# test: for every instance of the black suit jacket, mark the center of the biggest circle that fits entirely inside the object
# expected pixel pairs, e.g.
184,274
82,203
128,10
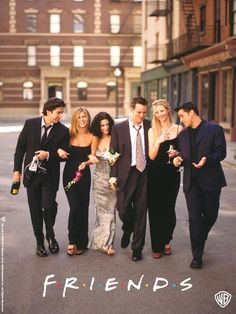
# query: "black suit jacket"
211,144
29,142
121,143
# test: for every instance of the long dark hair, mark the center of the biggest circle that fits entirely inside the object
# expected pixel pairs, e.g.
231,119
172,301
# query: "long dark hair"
95,125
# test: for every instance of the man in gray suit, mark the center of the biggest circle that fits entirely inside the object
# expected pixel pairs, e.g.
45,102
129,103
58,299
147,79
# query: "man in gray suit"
130,139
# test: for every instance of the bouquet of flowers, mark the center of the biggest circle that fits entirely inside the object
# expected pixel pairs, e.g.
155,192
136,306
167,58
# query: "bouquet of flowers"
78,175
111,156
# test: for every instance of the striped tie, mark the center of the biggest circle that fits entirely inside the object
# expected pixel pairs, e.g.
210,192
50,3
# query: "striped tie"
140,160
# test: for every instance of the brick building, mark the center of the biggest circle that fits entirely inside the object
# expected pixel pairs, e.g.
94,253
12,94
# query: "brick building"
69,49
191,55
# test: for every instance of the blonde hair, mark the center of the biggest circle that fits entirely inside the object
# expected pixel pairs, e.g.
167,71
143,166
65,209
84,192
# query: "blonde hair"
156,125
74,121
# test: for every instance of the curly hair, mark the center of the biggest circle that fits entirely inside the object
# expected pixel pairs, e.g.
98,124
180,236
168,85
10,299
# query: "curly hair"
96,123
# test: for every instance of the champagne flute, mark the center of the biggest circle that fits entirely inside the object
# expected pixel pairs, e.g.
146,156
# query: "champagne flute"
171,148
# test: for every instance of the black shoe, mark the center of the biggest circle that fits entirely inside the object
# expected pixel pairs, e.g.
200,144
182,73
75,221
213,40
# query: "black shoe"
137,256
196,263
40,251
125,240
53,245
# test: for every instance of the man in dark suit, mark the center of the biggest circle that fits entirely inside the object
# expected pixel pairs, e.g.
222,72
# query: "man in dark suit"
40,138
129,138
202,147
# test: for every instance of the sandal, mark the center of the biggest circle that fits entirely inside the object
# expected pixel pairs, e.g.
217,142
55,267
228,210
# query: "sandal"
167,250
78,251
110,251
104,249
70,250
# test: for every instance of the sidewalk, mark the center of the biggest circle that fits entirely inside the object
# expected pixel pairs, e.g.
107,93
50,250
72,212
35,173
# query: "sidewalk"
15,125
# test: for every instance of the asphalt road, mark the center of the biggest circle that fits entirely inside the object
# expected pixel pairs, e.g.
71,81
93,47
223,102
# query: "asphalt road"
96,283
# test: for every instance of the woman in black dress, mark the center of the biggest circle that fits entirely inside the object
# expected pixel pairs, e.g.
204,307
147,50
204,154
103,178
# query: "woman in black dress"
164,180
79,192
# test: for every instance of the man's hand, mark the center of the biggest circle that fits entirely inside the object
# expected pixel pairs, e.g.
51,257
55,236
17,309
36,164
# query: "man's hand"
200,164
62,153
16,176
42,154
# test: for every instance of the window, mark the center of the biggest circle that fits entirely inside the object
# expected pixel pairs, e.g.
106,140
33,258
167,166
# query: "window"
1,91
137,56
55,23
28,90
137,25
111,90
202,18
78,23
114,55
55,55
78,56
227,96
234,18
82,90
31,23
115,23
31,55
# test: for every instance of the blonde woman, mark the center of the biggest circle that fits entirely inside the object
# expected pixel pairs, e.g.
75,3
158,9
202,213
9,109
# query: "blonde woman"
164,180
78,193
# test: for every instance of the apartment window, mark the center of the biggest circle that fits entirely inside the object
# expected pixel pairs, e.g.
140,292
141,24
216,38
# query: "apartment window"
1,91
78,56
227,99
114,55
202,18
82,90
55,55
115,23
31,23
31,55
78,23
234,18
137,56
55,23
111,90
28,90
137,24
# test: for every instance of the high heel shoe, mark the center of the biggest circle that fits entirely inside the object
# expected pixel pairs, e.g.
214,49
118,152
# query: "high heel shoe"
167,250
110,251
78,251
70,250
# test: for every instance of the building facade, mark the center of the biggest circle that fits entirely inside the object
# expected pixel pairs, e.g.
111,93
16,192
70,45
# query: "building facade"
196,60
69,49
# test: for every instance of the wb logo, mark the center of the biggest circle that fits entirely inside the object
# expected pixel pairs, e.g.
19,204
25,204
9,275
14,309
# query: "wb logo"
223,298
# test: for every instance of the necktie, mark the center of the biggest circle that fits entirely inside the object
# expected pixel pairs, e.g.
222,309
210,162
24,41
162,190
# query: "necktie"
45,135
140,161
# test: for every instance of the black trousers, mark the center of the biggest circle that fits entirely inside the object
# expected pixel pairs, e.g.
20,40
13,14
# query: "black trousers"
43,207
132,207
203,207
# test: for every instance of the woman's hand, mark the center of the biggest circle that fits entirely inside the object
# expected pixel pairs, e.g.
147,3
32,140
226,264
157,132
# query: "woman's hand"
93,159
62,153
163,137
82,166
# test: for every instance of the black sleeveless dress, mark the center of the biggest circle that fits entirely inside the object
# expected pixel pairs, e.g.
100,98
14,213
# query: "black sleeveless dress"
78,196
163,187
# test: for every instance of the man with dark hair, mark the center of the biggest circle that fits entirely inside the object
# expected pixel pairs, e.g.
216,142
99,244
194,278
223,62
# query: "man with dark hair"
37,145
202,147
129,138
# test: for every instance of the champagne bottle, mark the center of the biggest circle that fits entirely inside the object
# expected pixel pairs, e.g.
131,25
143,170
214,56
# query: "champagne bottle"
15,187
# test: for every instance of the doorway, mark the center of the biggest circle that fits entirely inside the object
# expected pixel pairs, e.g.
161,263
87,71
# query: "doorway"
55,89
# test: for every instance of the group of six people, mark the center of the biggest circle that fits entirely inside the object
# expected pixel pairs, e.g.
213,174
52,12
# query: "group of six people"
137,169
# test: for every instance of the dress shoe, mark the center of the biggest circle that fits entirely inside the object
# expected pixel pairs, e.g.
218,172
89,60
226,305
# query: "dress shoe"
125,240
137,256
53,245
156,255
40,251
196,263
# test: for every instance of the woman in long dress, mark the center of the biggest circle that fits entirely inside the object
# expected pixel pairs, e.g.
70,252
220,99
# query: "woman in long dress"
164,180
103,234
78,194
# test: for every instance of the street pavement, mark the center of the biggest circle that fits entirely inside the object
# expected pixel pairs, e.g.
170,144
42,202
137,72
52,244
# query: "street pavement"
96,283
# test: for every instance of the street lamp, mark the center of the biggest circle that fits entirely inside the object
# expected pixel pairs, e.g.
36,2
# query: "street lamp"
117,74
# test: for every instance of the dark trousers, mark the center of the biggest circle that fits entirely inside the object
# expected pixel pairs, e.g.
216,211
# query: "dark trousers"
203,207
132,207
43,207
